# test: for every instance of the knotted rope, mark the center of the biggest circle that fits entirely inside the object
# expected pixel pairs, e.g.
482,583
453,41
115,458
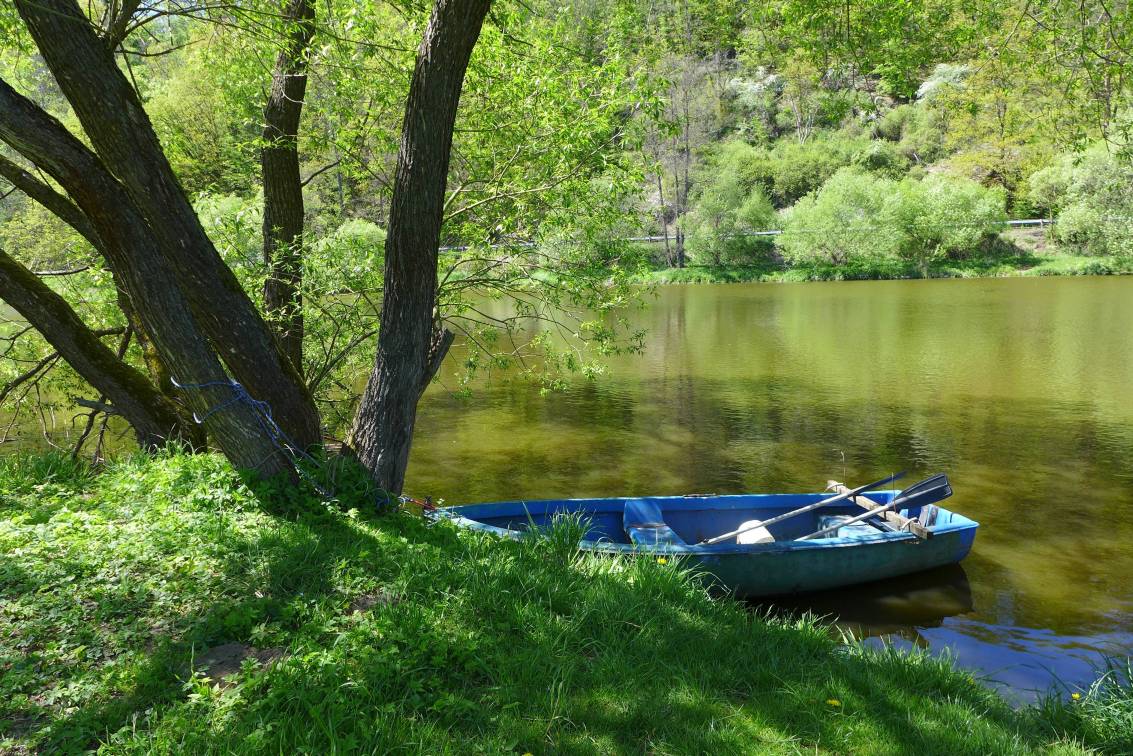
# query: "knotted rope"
263,414
279,439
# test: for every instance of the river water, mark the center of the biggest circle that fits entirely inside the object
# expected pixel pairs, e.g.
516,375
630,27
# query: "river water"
1020,389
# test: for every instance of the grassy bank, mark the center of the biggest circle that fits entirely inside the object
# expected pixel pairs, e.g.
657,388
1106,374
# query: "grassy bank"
125,596
976,267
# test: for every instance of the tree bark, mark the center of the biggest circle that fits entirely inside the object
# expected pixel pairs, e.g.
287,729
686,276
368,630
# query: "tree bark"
123,137
153,417
410,347
133,253
283,187
53,201
65,210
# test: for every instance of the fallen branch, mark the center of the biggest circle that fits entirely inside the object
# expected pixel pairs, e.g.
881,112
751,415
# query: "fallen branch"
51,273
97,406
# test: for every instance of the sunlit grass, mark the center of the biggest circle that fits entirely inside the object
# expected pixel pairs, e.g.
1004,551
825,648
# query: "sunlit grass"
1101,716
385,634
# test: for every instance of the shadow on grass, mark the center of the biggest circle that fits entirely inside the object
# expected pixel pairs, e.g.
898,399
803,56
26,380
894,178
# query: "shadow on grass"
497,645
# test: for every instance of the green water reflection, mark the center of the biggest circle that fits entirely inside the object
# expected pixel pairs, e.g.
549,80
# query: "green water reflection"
1020,389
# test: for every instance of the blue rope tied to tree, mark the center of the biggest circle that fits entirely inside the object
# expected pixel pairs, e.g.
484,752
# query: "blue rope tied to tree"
267,422
280,439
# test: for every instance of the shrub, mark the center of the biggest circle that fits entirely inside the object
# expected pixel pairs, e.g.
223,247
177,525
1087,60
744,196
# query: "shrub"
1089,195
350,258
789,170
891,125
858,217
848,220
882,158
724,212
1047,188
918,131
944,215
794,170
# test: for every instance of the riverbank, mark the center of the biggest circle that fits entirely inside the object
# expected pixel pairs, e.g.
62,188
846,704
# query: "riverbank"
975,267
351,631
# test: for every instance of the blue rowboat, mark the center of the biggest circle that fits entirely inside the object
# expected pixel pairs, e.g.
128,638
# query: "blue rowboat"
674,526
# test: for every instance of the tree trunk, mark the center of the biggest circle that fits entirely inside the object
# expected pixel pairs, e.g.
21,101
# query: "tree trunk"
680,199
122,135
664,219
410,348
66,211
283,188
133,253
153,417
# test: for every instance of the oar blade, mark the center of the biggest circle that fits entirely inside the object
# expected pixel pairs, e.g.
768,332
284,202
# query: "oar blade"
928,491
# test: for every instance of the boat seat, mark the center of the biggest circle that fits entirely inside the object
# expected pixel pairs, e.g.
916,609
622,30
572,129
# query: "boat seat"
645,525
751,536
857,529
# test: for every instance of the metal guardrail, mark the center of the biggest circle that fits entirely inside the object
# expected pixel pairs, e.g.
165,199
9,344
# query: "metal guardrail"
1040,222
525,244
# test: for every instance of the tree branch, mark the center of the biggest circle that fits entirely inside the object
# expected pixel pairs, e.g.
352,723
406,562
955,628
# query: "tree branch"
61,273
59,205
153,417
43,365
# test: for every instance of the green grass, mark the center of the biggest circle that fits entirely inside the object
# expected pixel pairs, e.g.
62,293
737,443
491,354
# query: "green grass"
394,636
977,266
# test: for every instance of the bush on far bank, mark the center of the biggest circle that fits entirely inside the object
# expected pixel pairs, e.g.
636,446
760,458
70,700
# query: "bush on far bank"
857,217
1088,195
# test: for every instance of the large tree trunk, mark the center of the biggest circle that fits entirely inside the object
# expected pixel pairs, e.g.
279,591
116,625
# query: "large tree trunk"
283,187
410,347
120,131
153,417
132,250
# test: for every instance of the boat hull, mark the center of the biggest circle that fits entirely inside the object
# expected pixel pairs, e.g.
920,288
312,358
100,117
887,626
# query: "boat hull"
785,566
777,572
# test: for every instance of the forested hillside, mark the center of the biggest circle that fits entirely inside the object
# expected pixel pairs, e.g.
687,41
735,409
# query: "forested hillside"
242,240
875,132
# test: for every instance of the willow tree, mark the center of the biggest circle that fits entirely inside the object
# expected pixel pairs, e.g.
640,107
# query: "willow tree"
263,344
188,303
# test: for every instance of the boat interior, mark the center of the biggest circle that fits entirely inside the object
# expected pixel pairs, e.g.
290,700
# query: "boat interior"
688,520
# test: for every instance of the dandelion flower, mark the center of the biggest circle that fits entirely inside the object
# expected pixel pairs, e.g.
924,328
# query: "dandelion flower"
662,560
833,702
1075,696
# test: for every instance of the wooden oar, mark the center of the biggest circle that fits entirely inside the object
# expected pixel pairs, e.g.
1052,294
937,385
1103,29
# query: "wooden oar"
895,520
928,491
800,510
